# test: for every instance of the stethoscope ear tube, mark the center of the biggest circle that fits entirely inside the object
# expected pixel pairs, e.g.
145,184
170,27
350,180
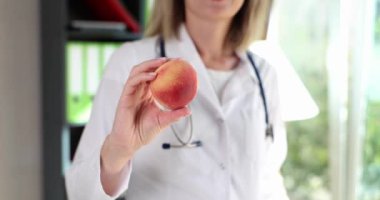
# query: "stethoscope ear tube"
269,132
269,128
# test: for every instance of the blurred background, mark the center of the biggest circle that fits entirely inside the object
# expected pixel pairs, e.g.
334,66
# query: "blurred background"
52,54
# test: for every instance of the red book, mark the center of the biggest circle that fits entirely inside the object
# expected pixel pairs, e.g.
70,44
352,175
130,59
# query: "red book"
113,10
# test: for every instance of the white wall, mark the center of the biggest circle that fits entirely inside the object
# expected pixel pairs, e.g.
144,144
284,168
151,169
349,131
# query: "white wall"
20,131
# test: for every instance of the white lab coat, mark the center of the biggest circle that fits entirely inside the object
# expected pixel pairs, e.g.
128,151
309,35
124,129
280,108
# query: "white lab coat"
235,161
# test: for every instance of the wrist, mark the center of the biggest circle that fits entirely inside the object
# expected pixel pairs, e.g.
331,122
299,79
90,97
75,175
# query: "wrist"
113,158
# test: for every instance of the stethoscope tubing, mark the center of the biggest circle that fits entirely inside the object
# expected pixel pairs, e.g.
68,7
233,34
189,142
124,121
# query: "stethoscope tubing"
189,143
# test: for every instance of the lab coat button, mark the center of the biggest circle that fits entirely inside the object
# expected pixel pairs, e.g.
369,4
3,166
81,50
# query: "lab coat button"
222,166
220,120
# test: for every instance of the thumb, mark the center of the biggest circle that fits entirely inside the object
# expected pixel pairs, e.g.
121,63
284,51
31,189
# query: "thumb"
166,118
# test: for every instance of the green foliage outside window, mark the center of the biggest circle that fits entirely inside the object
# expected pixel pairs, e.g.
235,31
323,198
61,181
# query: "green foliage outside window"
303,36
370,188
371,153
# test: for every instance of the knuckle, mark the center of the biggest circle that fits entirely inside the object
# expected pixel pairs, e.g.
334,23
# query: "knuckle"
128,82
134,69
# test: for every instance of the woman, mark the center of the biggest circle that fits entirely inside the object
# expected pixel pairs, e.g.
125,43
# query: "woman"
121,147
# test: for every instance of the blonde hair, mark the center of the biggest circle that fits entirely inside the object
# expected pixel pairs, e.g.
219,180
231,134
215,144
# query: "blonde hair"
249,24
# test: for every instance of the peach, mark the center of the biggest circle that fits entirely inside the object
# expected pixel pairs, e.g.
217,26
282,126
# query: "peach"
175,85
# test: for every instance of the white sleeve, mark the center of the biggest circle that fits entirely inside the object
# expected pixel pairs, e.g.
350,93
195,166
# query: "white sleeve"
273,184
83,177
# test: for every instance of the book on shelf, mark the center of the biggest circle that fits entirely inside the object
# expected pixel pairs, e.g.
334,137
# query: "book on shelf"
97,25
113,10
86,62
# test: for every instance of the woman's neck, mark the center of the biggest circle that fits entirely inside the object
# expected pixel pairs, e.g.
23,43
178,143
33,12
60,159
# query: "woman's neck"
209,37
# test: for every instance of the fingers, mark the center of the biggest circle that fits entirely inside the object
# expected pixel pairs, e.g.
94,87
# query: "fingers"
166,118
133,82
142,73
148,66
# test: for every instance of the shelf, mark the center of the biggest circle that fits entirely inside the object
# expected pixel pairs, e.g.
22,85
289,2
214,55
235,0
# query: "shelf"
102,35
75,135
59,137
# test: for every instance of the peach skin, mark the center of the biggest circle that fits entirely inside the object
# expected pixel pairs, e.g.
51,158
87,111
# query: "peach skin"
175,85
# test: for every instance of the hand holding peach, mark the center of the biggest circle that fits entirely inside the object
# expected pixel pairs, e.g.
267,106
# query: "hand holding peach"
137,122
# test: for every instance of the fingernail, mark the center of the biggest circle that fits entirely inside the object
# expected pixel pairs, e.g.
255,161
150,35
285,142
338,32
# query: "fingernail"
152,74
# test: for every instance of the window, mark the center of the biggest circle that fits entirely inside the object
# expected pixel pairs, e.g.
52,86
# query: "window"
303,38
370,179
335,48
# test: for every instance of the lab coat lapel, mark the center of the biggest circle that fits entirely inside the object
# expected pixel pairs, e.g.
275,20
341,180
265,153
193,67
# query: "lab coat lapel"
185,49
243,81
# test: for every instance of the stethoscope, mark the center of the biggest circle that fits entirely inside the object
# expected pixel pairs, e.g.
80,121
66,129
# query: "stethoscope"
269,134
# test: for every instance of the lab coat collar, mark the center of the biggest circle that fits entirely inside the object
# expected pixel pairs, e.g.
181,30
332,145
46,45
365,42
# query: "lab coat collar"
246,66
244,81
185,48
